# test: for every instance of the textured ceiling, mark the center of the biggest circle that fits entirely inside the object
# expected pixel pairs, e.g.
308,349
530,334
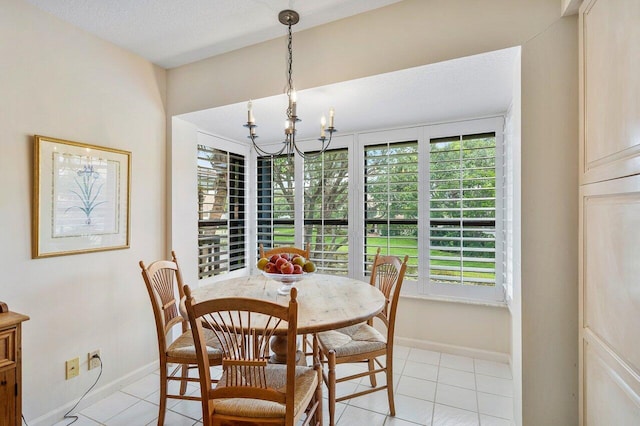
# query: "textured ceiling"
175,32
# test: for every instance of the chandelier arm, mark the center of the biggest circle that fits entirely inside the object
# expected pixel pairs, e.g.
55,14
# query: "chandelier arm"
262,151
325,146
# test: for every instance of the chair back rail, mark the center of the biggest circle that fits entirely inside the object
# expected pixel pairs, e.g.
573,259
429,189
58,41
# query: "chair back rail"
306,252
163,280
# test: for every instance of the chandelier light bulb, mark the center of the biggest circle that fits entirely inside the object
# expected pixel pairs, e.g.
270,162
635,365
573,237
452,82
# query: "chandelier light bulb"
250,118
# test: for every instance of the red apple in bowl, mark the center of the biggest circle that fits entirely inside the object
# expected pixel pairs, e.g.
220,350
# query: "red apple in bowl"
286,268
281,261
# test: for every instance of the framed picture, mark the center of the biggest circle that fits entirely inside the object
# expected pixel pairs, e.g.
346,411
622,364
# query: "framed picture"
80,198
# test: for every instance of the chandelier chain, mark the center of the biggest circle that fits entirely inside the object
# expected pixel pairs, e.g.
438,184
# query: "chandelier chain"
290,64
289,146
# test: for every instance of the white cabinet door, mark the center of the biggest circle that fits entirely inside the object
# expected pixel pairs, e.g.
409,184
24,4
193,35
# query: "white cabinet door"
610,302
609,89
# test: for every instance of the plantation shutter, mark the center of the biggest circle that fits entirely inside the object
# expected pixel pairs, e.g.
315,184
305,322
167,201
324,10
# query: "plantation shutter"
221,212
462,201
326,210
391,201
275,201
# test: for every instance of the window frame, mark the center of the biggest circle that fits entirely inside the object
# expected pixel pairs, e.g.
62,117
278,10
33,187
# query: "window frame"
487,125
356,143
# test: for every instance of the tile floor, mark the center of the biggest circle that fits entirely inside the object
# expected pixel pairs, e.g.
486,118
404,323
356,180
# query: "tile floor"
431,388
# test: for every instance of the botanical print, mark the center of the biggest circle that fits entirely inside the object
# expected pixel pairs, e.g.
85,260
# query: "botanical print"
85,195
80,199
88,191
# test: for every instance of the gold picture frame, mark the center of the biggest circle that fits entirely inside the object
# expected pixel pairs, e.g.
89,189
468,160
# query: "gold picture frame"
81,198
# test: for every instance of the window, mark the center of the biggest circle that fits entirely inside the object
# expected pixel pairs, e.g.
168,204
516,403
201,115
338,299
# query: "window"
434,193
391,201
275,201
465,182
326,210
221,212
462,206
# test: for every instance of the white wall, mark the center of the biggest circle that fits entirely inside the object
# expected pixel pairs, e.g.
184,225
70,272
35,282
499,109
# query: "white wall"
183,230
60,82
466,329
513,144
549,231
419,32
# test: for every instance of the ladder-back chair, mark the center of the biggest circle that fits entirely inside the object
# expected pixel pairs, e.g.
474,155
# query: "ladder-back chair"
163,280
251,390
364,343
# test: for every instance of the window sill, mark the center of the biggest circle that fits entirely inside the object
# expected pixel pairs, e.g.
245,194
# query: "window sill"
449,299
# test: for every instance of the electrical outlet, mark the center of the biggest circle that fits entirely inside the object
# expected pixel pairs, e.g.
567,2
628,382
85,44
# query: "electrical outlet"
72,368
93,361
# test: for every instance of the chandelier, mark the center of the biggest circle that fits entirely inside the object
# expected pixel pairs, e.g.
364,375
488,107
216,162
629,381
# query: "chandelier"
289,146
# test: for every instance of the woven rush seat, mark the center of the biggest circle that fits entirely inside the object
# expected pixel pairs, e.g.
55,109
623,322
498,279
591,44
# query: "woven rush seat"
276,375
352,340
183,347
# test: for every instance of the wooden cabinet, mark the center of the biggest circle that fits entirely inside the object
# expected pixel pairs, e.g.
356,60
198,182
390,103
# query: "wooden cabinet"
10,368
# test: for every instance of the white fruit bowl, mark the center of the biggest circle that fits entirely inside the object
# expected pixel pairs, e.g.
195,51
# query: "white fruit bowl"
287,280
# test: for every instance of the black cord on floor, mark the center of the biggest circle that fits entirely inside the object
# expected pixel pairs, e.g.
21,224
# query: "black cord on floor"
66,415
74,417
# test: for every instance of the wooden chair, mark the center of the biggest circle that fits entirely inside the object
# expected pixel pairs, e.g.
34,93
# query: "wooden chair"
251,390
364,343
306,252
165,286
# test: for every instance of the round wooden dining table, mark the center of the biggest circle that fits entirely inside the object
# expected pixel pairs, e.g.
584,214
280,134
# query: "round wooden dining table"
325,302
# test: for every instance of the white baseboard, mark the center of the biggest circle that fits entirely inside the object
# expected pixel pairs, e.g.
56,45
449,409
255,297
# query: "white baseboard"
94,396
455,350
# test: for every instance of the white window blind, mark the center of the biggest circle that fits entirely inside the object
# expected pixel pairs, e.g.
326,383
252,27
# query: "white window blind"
326,210
275,201
391,202
221,212
462,205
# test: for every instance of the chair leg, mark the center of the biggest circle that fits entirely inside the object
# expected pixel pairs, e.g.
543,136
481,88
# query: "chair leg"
331,386
184,375
317,416
163,394
372,377
317,364
389,371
